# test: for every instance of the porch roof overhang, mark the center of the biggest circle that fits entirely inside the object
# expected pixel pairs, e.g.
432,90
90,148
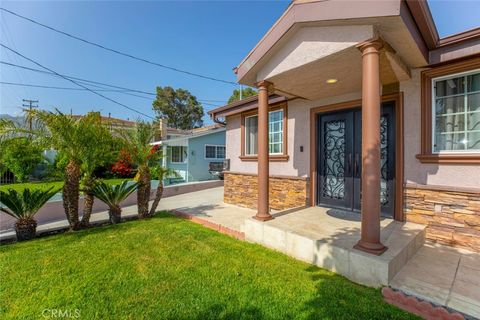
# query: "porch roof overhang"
391,20
243,105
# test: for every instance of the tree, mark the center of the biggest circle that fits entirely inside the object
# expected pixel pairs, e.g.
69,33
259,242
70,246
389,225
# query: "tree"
179,107
20,155
246,92
137,143
102,150
76,140
160,173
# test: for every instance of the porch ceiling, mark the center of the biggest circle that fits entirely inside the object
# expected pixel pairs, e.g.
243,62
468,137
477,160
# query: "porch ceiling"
308,81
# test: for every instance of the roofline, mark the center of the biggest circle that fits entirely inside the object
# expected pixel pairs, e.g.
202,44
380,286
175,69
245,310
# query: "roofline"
191,136
424,20
418,9
243,105
459,37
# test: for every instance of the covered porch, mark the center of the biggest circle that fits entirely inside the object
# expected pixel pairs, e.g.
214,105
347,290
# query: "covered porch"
321,59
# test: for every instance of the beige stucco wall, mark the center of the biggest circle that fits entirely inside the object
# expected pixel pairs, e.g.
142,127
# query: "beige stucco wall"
299,135
310,44
428,174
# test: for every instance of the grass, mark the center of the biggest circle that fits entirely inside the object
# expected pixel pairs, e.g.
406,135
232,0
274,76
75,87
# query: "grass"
169,268
46,185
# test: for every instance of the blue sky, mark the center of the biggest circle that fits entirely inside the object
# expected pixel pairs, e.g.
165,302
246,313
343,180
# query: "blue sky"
202,37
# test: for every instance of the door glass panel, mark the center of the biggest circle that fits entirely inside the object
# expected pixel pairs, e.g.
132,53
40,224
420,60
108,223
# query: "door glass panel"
334,153
384,160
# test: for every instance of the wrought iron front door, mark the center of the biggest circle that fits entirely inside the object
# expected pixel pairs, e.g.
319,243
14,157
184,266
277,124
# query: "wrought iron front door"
340,159
335,159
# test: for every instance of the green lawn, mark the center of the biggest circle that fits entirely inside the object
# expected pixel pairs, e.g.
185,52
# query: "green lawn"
46,185
169,268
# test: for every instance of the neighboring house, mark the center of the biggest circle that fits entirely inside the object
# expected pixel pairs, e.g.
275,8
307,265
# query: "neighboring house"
361,96
189,153
113,123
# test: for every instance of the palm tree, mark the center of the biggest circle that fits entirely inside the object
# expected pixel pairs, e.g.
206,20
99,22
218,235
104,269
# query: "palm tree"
160,173
23,207
113,196
137,143
82,142
64,133
102,150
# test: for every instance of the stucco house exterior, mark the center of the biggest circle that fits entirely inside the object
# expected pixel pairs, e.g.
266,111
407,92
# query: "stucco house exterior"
189,153
361,106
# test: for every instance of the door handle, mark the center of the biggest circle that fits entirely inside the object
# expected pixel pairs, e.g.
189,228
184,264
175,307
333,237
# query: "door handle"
349,164
355,165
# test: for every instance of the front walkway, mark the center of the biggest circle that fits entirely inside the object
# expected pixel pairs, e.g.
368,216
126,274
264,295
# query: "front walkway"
445,276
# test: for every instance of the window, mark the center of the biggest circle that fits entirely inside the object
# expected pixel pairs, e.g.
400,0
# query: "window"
251,134
214,152
451,113
456,113
179,154
275,133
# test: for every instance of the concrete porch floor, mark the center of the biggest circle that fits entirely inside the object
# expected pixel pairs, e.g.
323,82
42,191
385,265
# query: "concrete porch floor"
325,237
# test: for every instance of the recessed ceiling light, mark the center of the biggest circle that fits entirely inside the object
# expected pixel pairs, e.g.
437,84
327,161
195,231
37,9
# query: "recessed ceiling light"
331,81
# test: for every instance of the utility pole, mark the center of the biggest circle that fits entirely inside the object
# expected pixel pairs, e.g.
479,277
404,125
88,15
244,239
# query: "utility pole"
30,107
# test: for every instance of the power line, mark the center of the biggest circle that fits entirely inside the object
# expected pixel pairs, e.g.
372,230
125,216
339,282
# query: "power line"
90,82
120,52
81,89
75,82
53,87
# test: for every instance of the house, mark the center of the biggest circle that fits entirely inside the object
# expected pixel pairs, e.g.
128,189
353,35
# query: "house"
190,152
361,106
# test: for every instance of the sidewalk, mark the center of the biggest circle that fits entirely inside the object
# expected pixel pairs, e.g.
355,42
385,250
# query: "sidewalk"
206,204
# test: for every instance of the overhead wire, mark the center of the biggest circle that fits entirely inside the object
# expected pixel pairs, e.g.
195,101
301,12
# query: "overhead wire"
118,51
75,82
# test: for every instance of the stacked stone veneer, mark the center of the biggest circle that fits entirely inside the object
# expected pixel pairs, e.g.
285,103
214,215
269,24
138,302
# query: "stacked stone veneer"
452,215
285,192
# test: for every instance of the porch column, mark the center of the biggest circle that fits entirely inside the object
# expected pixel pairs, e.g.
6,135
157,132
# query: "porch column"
263,208
370,232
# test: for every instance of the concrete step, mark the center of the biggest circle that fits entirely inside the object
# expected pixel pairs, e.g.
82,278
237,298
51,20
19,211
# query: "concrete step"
334,250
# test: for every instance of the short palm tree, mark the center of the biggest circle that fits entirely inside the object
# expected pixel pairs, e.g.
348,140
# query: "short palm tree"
112,196
23,207
160,173
137,143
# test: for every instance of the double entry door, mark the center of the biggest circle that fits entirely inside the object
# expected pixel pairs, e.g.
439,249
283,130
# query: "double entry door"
339,158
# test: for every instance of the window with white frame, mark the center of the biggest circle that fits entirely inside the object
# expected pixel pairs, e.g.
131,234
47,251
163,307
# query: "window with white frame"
178,154
214,152
275,133
456,113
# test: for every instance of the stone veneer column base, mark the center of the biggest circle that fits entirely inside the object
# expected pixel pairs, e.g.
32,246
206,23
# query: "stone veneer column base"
452,215
285,192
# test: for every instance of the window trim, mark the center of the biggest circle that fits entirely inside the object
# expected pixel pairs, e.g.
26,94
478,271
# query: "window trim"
272,157
434,115
427,95
216,151
182,150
